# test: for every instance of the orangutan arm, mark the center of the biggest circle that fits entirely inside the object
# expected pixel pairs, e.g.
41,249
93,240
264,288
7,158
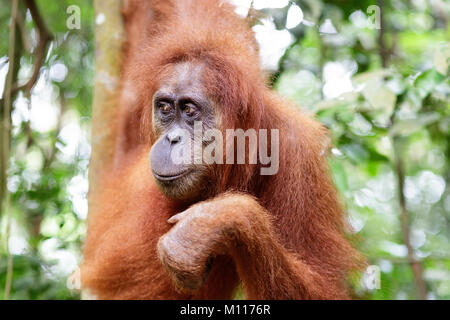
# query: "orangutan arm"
236,225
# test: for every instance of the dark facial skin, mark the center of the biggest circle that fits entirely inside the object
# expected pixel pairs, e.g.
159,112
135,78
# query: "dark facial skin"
177,105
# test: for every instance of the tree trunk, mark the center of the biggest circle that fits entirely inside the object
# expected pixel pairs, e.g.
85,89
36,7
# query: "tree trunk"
109,36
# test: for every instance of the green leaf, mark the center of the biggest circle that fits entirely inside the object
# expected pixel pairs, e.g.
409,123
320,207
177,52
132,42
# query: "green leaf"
339,175
355,152
379,96
427,81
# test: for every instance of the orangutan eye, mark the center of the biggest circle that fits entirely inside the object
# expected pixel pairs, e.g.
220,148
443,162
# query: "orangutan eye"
189,110
164,107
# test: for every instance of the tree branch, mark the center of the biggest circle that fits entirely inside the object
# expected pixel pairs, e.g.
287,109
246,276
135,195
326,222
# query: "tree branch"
383,51
5,139
26,43
416,265
39,53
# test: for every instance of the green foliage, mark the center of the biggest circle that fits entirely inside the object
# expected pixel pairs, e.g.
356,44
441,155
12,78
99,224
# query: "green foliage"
47,177
400,113
378,117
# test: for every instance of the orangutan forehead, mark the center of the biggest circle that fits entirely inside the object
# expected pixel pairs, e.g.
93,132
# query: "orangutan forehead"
184,77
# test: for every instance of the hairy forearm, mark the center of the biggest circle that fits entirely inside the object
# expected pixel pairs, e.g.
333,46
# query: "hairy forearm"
266,268
235,225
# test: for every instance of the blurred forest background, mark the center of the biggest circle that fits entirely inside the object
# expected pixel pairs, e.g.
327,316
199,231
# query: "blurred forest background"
376,73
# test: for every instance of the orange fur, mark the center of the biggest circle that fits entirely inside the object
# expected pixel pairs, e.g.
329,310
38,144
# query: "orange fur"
283,236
